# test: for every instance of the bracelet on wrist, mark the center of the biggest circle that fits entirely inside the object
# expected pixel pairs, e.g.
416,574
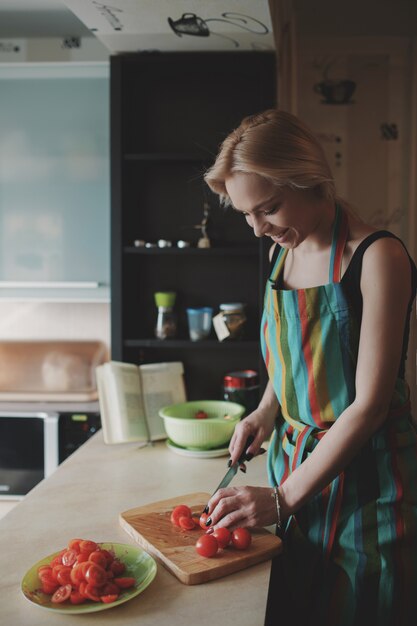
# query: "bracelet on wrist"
275,495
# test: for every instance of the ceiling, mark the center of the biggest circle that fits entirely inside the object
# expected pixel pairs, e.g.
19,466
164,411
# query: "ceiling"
54,18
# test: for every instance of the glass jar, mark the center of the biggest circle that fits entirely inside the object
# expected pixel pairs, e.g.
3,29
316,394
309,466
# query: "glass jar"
166,321
234,317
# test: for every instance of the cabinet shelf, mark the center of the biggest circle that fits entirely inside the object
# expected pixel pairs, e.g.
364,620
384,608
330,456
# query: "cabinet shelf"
170,344
224,251
160,150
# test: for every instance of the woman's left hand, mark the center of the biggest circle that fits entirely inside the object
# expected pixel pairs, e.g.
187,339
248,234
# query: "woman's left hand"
236,507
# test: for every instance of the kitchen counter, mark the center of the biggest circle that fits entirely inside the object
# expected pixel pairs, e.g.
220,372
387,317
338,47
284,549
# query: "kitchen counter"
83,498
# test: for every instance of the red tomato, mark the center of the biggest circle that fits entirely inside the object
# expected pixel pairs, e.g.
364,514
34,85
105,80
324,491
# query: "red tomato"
110,589
125,583
200,415
44,568
76,598
182,510
78,573
91,592
69,557
49,587
186,522
82,557
96,575
117,567
207,545
64,575
223,536
109,598
241,538
98,558
46,574
203,519
61,594
74,544
87,546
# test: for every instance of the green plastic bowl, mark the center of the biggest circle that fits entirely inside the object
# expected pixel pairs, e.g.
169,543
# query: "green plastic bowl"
185,430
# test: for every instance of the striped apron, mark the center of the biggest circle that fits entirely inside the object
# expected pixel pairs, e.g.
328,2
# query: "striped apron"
351,553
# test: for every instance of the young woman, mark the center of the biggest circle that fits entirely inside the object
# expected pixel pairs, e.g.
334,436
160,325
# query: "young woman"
342,460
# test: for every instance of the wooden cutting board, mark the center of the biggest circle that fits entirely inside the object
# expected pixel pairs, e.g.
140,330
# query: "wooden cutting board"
151,527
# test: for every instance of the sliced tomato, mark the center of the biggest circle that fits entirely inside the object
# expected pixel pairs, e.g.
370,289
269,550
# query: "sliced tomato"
91,592
98,558
125,582
117,567
108,554
61,594
107,599
78,574
76,598
82,557
44,568
186,522
49,587
207,546
182,510
110,589
96,575
87,546
47,574
64,576
69,558
74,544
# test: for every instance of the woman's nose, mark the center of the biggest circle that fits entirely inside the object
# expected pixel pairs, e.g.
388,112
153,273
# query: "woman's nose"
259,225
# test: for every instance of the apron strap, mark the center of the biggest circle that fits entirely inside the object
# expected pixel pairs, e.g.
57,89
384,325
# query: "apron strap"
340,233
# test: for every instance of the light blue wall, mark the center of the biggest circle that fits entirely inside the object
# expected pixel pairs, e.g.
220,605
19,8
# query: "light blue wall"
54,176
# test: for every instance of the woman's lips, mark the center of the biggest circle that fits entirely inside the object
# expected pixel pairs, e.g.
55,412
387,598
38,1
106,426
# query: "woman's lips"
279,237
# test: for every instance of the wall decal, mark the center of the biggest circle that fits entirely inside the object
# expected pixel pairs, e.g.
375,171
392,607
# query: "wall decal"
333,90
389,132
183,25
191,24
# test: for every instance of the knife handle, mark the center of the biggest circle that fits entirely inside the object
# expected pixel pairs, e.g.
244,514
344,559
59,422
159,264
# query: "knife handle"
243,458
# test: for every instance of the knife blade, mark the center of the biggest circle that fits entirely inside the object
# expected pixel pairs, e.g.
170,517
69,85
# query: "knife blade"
232,471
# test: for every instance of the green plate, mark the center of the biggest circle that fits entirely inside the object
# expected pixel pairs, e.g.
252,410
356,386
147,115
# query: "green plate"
139,565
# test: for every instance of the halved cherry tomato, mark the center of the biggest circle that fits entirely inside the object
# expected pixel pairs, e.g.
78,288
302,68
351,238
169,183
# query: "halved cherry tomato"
61,594
98,558
91,592
96,575
110,589
117,567
182,510
69,557
78,573
203,519
82,557
125,583
46,574
87,546
241,538
207,545
200,415
64,576
76,598
49,587
223,536
187,523
109,598
74,544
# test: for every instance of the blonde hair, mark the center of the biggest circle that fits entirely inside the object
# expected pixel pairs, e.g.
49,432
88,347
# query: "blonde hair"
277,146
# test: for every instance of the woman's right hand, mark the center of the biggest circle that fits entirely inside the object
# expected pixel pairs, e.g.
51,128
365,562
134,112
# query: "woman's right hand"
259,424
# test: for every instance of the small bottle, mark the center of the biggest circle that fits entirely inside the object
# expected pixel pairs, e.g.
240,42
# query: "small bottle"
234,317
242,387
166,321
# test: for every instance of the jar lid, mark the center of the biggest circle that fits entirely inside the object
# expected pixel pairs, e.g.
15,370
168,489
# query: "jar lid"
165,298
233,306
241,379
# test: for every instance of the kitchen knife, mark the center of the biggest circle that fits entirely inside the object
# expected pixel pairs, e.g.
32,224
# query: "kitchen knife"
232,471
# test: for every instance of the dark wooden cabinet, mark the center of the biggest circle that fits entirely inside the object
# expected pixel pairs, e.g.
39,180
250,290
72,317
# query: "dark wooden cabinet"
169,113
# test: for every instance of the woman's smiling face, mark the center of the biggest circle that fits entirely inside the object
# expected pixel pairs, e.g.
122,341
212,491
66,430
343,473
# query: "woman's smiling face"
285,215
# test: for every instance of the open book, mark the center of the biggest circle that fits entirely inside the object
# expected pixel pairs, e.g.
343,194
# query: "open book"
130,397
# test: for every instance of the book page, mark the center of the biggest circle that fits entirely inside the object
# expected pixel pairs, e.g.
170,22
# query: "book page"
162,384
124,419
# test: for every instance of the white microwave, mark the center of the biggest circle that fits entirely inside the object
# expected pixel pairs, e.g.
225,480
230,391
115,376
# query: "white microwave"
32,444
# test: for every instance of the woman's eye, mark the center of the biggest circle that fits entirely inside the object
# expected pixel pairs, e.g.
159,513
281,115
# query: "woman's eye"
271,211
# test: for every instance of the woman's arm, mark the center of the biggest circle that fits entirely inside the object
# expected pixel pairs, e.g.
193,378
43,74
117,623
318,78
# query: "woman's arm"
385,286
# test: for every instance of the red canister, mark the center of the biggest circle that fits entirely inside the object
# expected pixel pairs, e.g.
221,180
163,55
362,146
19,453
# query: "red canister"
242,387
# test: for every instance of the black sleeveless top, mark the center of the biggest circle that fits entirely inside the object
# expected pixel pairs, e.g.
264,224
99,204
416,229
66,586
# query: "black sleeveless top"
351,280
